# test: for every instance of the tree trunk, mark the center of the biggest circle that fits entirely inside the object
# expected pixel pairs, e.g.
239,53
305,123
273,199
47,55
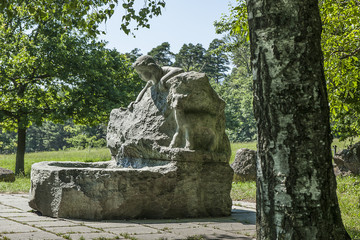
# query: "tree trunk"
20,152
296,186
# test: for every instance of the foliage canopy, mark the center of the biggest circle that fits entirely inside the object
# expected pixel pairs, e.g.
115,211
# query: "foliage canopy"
341,49
51,66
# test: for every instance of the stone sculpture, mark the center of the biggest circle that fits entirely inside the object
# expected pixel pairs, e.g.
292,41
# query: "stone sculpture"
169,153
180,112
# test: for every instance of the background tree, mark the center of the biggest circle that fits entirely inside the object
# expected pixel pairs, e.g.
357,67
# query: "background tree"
162,54
133,54
341,46
191,57
7,142
212,61
237,89
50,136
50,70
85,136
47,137
296,186
217,62
237,92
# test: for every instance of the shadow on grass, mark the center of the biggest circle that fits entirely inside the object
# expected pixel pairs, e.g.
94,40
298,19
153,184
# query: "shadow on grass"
21,185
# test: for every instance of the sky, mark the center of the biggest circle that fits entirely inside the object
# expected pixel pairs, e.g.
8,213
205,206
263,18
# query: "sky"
181,22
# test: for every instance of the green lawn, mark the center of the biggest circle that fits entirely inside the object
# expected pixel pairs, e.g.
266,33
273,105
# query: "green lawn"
348,192
22,183
87,155
348,187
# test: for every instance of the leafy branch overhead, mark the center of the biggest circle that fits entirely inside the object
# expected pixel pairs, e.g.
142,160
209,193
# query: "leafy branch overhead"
150,9
81,15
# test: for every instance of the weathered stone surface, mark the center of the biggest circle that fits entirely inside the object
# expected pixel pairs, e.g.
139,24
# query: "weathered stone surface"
169,152
100,191
348,160
244,165
6,175
147,129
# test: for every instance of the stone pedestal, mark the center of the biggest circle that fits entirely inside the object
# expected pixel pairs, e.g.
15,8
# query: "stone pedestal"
100,191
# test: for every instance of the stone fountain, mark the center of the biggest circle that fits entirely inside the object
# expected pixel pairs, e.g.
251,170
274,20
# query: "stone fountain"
169,153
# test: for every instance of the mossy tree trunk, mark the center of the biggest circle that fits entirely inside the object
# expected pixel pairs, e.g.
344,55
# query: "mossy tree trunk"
296,186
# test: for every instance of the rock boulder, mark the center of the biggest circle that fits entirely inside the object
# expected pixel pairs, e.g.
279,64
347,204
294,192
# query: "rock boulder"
244,165
6,175
348,160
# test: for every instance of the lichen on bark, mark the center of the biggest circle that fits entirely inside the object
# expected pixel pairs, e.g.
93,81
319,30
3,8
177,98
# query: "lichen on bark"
296,188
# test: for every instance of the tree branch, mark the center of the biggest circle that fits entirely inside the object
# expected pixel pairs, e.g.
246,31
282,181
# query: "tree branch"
350,54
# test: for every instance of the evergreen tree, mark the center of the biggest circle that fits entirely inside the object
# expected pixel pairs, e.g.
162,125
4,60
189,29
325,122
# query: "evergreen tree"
133,55
217,63
191,57
162,54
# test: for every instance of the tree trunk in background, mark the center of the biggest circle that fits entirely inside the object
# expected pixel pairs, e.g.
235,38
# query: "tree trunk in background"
20,152
296,186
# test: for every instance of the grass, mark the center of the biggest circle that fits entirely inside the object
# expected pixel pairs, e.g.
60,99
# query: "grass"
348,187
243,191
344,144
348,192
21,184
86,155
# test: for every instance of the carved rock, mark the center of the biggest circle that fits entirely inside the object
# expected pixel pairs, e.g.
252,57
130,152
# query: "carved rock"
146,130
244,165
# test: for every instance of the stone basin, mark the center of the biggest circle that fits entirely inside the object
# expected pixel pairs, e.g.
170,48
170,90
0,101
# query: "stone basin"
105,191
125,163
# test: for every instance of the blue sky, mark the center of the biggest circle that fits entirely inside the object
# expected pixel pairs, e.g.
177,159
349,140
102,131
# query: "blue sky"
182,21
